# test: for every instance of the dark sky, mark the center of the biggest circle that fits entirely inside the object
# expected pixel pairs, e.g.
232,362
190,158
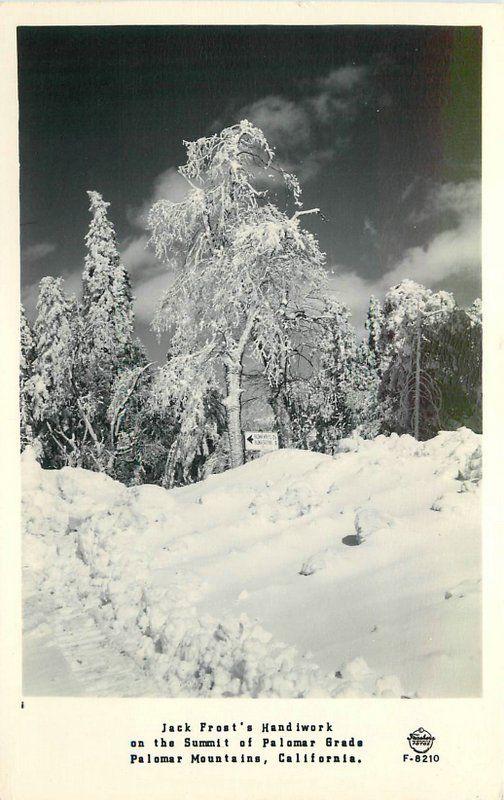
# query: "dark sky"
381,123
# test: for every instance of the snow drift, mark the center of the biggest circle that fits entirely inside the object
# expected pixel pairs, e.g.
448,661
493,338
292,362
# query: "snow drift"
296,575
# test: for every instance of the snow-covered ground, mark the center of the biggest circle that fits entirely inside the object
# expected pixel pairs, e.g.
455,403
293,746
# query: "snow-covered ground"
295,575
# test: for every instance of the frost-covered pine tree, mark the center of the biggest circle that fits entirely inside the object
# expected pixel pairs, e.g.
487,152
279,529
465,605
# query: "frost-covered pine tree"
452,352
237,257
107,302
475,313
51,387
107,348
339,396
410,385
26,356
374,324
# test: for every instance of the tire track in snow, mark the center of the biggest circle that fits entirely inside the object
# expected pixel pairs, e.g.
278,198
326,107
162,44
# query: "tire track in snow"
89,648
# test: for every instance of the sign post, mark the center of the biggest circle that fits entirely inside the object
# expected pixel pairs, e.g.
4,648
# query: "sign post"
264,441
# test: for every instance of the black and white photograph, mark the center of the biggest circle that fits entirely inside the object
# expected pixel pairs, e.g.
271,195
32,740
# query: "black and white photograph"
250,380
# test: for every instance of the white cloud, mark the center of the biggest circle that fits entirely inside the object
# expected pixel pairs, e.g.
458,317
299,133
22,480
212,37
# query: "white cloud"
327,106
149,293
168,185
150,278
345,78
311,164
453,251
284,122
34,252
73,282
141,262
293,126
339,97
449,252
307,167
353,291
136,255
461,198
29,295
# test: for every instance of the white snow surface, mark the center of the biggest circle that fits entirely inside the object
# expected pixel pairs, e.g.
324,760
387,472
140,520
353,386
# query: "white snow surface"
296,575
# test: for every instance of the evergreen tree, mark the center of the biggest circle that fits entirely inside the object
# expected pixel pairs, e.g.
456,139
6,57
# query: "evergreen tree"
374,325
340,395
424,366
51,386
86,372
27,354
475,313
452,353
107,348
107,305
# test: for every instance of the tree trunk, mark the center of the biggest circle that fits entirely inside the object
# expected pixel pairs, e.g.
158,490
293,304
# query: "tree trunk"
283,420
168,480
233,368
416,413
233,412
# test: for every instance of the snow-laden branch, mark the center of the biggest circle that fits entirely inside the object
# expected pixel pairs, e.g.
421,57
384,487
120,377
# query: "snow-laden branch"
118,404
306,211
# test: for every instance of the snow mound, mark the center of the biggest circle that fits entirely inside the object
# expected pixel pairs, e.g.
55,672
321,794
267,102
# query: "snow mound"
243,585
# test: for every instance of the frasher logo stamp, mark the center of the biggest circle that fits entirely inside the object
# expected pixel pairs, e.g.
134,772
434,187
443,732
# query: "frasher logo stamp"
421,741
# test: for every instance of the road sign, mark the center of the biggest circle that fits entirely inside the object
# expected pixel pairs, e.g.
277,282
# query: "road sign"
261,440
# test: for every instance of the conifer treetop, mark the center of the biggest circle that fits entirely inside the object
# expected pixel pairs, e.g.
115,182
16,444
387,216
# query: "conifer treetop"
106,297
102,256
27,342
52,365
100,222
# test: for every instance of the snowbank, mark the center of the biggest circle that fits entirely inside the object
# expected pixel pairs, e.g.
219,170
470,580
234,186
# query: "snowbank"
295,575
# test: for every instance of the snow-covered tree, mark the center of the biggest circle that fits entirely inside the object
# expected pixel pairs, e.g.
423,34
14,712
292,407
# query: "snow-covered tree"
374,324
124,440
51,386
107,303
339,394
238,257
190,402
292,356
108,354
475,313
452,352
86,366
27,354
414,319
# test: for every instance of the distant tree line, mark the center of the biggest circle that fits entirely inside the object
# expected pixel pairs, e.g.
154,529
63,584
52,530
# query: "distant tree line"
250,290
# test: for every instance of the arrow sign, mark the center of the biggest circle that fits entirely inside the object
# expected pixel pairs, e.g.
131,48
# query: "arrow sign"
261,440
